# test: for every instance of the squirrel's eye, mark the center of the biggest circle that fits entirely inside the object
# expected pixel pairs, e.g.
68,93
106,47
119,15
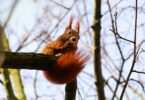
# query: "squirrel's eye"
74,39
69,32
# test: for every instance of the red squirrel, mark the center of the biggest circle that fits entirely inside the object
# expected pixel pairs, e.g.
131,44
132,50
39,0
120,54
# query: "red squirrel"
70,62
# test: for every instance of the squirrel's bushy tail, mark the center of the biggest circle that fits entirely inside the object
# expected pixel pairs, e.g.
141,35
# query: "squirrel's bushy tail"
66,68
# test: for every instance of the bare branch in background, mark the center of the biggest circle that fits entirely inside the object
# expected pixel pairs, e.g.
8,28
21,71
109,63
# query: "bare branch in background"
115,30
134,54
60,5
11,11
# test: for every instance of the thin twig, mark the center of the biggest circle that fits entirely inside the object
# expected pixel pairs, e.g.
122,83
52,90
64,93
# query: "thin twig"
115,30
135,71
134,55
11,12
60,5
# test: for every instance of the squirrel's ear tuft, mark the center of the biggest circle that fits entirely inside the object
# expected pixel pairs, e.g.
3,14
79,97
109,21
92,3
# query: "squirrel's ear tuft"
77,27
69,26
70,23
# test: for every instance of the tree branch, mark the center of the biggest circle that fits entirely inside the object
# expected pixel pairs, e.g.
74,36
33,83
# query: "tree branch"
97,51
134,54
27,61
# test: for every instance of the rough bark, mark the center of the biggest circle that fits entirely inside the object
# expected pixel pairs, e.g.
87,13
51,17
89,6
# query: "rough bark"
27,61
97,50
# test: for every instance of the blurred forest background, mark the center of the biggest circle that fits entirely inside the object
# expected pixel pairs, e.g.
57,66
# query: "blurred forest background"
112,31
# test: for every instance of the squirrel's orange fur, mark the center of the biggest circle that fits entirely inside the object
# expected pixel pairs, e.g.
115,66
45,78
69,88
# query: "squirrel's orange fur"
66,68
70,63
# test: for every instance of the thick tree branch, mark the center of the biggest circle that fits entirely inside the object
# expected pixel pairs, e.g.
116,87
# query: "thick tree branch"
97,51
27,61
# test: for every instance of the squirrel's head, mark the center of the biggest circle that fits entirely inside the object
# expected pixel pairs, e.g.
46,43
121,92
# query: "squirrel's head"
72,35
